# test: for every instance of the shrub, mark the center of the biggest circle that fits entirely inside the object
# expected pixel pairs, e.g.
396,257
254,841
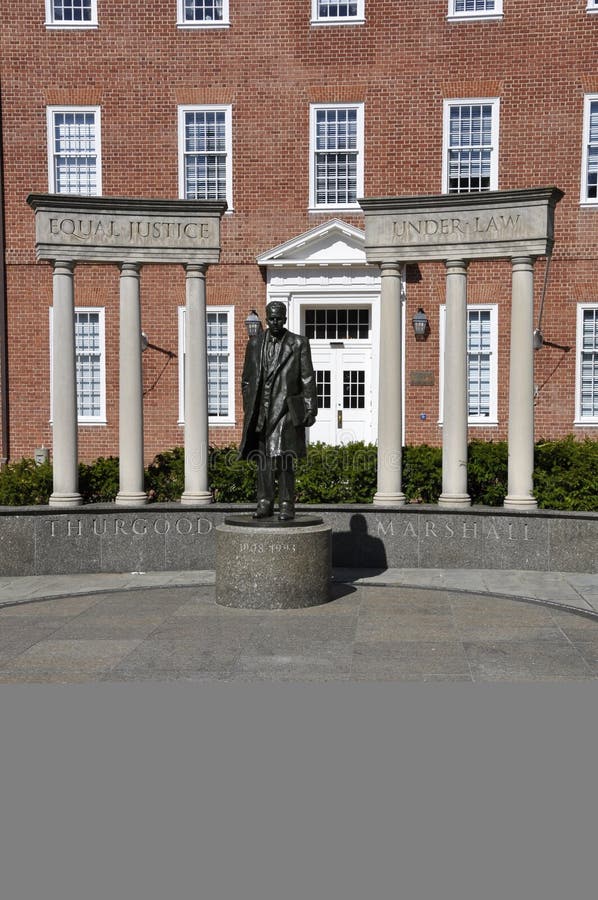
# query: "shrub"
98,482
422,473
345,474
165,476
232,480
487,471
566,474
24,483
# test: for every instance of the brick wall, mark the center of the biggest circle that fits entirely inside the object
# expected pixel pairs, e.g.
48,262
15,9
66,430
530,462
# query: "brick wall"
270,65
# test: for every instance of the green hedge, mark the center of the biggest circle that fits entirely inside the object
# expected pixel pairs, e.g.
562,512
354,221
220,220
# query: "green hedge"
566,476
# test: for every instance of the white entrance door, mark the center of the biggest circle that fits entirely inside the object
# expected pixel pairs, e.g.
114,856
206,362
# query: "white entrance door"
342,356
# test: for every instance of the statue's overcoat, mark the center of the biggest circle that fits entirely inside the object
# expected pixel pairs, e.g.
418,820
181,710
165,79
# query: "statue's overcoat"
291,374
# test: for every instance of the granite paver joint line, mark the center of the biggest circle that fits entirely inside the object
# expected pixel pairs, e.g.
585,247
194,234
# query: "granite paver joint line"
429,579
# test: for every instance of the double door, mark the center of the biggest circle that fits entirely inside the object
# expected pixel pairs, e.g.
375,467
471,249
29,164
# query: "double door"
343,379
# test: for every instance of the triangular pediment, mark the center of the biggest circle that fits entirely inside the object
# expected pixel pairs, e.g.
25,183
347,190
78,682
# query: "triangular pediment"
334,243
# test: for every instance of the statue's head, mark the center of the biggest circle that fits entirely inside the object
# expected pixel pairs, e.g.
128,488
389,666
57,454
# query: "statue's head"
276,316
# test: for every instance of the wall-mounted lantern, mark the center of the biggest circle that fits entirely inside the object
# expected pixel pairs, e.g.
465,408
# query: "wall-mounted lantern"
253,324
421,326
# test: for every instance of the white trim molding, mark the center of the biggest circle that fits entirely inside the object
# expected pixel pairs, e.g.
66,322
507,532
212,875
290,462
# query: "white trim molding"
215,14
589,151
78,140
55,9
479,143
100,353
336,130
207,144
582,308
474,10
491,419
216,420
334,12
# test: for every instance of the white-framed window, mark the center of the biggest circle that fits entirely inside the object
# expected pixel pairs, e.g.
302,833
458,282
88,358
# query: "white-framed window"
470,146
71,14
482,367
592,6
220,338
589,156
336,155
202,14
586,393
205,153
74,145
91,365
474,9
333,12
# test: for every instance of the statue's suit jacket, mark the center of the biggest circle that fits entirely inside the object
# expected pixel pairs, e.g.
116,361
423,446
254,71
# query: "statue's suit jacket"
291,375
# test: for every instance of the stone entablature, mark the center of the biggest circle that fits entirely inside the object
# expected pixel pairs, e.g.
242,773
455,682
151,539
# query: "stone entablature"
114,229
71,230
455,229
491,225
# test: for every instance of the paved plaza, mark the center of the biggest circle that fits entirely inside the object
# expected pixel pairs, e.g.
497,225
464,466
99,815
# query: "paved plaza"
397,625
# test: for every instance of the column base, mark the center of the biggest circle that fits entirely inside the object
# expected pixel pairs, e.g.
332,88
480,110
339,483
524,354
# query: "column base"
386,498
131,498
196,498
454,500
520,501
57,499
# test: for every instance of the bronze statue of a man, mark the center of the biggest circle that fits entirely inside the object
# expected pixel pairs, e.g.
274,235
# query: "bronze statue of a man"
279,403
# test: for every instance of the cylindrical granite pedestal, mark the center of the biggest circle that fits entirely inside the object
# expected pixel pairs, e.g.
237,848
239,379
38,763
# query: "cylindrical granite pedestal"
268,565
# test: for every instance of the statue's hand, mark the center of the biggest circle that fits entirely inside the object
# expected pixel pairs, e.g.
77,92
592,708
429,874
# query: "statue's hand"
309,420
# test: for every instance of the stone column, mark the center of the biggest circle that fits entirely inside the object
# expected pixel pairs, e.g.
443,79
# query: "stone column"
454,426
196,389
521,387
65,490
390,392
131,490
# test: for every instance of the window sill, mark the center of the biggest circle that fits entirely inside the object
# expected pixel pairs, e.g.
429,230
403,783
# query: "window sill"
354,21
88,423
586,423
71,26
202,26
338,209
216,423
589,204
492,17
488,423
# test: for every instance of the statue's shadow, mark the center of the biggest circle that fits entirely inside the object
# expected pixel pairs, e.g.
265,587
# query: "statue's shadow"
356,549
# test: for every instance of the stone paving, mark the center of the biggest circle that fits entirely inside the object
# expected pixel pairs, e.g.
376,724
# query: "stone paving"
395,625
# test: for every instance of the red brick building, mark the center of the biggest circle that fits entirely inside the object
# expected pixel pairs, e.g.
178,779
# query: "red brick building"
291,113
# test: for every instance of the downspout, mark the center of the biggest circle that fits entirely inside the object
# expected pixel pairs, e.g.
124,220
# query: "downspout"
5,449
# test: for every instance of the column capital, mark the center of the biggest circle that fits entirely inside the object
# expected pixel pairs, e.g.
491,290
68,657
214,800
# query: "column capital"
131,269
523,262
391,268
67,267
456,265
197,269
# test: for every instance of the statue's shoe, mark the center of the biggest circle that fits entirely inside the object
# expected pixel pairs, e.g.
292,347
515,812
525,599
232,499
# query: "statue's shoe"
263,511
286,512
